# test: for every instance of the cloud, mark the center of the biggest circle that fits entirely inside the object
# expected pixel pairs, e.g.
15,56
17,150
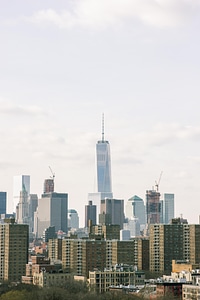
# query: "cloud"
12,109
163,134
104,13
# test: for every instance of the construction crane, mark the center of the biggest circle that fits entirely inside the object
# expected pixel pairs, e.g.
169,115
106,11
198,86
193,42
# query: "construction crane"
158,182
53,174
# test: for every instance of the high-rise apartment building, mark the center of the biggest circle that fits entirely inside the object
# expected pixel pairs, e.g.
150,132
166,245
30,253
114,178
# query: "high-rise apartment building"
3,198
90,214
55,249
52,211
21,185
108,232
176,241
153,207
168,208
114,208
80,256
14,250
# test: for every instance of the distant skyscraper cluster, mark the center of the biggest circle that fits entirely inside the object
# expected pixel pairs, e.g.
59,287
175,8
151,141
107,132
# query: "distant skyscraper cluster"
51,209
146,236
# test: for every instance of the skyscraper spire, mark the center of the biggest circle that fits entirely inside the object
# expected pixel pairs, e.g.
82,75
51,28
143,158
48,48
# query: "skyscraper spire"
103,127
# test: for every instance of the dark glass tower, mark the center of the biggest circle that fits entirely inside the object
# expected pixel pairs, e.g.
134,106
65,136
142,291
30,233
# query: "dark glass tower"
3,197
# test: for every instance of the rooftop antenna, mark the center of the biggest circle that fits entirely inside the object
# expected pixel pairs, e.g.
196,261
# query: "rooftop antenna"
102,127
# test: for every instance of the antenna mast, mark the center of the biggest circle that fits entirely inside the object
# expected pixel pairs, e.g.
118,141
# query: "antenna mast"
102,127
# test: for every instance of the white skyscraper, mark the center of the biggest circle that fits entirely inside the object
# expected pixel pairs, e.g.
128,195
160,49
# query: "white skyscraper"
135,208
73,219
104,181
21,185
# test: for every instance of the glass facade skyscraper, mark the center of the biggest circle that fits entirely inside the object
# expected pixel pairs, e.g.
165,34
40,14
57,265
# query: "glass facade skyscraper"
3,197
168,208
104,183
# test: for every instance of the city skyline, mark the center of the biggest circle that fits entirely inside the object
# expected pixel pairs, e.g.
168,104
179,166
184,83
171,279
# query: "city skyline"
64,63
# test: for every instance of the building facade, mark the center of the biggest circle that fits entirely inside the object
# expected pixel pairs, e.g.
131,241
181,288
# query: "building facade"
135,208
114,208
14,250
104,182
153,207
48,185
3,202
73,219
52,211
100,281
79,256
90,213
21,184
176,241
168,208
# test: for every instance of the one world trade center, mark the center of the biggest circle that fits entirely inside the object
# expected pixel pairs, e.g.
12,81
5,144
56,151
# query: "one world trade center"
104,183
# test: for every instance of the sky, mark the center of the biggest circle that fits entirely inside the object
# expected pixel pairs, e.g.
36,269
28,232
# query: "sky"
63,63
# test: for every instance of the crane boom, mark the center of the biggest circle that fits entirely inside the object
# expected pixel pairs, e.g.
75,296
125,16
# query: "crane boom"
158,182
53,174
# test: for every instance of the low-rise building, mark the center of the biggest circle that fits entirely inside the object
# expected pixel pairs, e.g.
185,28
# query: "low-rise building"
37,265
45,279
101,281
173,289
190,291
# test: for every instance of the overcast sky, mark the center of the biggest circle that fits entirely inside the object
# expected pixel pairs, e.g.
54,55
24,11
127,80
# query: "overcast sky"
63,63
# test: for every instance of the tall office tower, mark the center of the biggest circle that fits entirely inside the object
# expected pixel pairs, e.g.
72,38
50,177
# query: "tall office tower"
133,226
125,235
135,208
21,184
161,212
32,204
73,219
90,213
51,211
3,197
114,208
103,164
104,182
153,207
22,211
49,233
14,250
176,241
168,208
48,186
